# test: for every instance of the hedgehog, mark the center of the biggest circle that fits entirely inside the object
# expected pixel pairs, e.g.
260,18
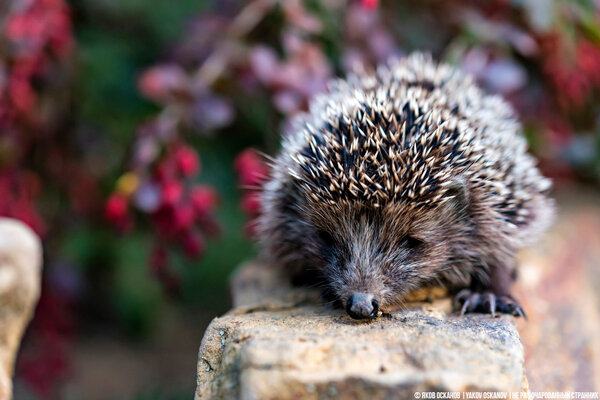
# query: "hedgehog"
405,178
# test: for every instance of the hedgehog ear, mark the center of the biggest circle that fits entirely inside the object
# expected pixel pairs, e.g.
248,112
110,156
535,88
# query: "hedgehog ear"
457,194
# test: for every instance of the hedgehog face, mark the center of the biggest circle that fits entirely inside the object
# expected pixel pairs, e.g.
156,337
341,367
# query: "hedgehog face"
372,257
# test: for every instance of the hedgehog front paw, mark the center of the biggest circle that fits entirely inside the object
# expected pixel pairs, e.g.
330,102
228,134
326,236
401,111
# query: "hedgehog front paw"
469,301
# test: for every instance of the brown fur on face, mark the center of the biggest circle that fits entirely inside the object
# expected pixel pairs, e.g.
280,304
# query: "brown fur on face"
386,252
409,178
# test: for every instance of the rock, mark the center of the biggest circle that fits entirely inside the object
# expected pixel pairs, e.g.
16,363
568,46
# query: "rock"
20,271
281,343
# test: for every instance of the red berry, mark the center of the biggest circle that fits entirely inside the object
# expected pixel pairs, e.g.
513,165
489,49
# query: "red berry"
163,218
251,168
164,170
369,4
193,245
184,216
204,198
187,161
22,95
172,192
251,203
116,208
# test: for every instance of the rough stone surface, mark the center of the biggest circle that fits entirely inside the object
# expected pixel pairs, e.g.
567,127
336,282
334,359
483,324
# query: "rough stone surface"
20,270
280,343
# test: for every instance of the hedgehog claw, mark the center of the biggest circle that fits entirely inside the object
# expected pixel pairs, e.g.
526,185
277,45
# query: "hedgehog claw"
519,312
490,301
512,307
508,305
463,310
487,302
461,297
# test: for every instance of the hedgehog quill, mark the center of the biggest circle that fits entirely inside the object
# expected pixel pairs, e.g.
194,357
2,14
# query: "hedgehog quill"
407,178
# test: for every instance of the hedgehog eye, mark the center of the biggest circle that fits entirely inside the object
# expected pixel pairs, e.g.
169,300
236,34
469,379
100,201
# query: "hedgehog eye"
325,238
411,243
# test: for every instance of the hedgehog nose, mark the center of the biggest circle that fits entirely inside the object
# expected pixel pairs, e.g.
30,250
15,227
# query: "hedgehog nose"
362,306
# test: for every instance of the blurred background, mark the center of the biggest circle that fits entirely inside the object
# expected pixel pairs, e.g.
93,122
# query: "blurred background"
130,133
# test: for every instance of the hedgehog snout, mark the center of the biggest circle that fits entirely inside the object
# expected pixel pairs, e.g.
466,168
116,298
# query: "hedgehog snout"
362,306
